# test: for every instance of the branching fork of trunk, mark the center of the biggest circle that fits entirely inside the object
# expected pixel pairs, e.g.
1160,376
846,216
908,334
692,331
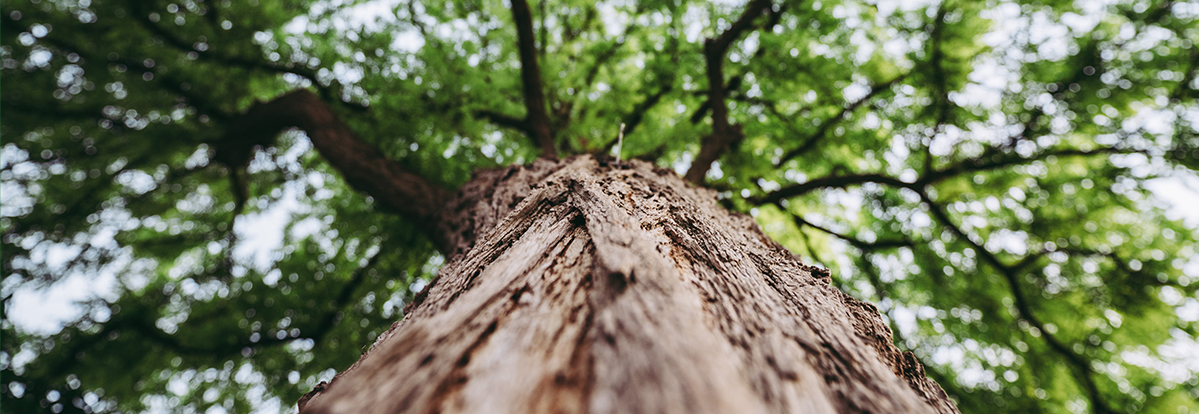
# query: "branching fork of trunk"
361,164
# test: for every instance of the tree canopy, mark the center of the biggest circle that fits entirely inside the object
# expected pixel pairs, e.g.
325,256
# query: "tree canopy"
980,170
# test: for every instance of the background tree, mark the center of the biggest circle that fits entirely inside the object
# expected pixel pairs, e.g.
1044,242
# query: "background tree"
980,170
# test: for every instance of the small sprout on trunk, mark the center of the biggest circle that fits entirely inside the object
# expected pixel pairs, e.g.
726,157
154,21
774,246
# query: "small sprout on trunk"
619,142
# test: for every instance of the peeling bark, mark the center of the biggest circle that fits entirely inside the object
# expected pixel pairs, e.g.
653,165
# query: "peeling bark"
620,288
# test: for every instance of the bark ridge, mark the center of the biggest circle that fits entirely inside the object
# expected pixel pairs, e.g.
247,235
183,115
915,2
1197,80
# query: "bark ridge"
619,288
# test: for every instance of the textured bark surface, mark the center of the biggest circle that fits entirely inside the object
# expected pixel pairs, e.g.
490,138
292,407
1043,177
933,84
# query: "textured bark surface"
622,289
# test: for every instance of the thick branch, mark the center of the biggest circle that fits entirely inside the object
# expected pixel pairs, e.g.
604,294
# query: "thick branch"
361,164
503,120
536,117
775,14
723,133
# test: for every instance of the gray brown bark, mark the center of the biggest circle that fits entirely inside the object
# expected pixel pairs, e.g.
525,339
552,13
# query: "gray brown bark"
620,288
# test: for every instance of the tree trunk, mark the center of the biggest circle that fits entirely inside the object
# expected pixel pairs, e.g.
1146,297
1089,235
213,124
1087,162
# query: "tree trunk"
619,288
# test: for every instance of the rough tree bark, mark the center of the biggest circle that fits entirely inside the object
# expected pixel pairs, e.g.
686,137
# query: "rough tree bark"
587,286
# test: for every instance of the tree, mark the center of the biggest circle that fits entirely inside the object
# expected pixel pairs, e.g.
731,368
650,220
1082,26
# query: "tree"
981,170
617,288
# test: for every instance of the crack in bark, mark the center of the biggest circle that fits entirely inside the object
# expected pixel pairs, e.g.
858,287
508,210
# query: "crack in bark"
454,381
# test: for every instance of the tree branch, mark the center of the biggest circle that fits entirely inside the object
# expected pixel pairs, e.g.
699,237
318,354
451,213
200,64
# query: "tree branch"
1080,363
362,165
829,123
833,181
736,80
732,85
536,117
564,114
1181,90
143,18
855,242
988,161
55,109
723,134
330,319
503,120
939,78
176,86
632,119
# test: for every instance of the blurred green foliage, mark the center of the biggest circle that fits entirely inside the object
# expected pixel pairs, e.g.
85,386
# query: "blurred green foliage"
979,169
